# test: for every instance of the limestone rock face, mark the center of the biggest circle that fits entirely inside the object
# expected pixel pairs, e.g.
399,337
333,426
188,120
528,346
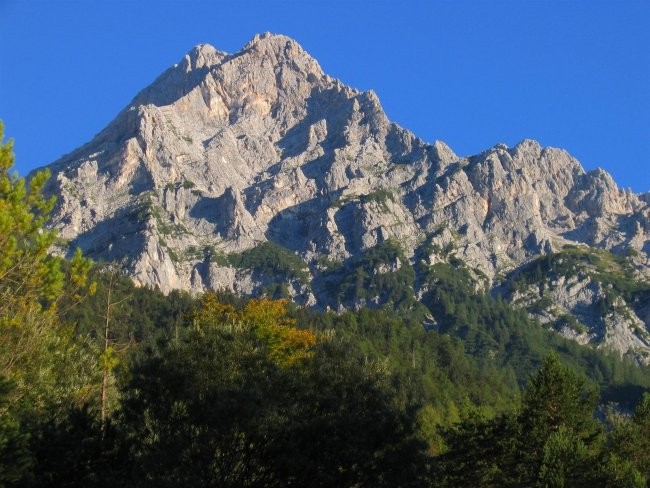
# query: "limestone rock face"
573,307
226,151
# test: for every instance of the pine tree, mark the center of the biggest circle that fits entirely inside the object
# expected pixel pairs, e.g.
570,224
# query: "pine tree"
631,440
37,355
557,418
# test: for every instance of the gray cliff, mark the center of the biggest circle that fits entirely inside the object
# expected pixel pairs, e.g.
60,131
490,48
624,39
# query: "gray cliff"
224,152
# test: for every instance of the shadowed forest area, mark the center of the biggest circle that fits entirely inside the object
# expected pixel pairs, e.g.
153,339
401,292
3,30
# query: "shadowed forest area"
106,384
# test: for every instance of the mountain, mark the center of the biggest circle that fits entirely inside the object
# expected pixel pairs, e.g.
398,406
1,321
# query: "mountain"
257,172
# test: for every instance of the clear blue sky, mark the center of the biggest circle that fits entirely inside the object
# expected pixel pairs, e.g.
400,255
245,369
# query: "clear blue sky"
571,74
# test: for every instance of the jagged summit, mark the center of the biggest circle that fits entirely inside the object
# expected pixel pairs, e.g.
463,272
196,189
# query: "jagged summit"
203,55
270,42
223,152
204,65
264,44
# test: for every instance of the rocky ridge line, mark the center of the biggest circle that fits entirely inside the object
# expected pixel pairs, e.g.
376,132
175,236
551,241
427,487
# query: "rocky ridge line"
226,151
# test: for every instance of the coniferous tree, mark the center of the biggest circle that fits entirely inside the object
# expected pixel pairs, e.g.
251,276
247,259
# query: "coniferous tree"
42,370
630,440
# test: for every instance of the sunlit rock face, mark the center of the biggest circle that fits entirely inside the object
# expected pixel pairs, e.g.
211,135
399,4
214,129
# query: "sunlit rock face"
226,151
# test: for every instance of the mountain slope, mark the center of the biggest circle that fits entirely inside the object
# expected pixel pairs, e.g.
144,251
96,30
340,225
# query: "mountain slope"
226,152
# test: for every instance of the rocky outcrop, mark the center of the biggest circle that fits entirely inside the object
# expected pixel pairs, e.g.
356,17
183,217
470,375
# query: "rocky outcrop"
225,151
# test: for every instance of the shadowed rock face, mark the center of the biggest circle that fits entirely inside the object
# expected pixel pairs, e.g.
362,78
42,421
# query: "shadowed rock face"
225,151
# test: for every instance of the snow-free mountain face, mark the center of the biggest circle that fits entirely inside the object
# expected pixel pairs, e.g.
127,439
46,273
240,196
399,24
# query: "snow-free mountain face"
226,152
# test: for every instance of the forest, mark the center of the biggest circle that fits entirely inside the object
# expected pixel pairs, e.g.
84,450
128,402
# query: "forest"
103,383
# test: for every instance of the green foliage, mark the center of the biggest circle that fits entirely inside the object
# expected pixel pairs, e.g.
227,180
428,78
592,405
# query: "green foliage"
631,438
614,273
553,440
430,373
557,396
26,270
500,335
142,315
566,460
622,473
147,209
267,319
229,392
205,253
477,451
36,351
329,265
568,320
490,328
271,259
186,184
380,196
43,371
557,419
447,252
377,398
76,450
382,275
236,417
15,457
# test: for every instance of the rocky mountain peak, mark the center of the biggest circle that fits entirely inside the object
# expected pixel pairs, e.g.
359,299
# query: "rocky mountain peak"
278,44
203,55
279,51
224,153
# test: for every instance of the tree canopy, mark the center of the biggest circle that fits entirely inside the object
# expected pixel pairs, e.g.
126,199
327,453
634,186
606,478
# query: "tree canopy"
103,383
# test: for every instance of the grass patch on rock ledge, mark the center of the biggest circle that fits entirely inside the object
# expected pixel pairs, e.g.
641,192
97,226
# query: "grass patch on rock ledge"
614,273
272,259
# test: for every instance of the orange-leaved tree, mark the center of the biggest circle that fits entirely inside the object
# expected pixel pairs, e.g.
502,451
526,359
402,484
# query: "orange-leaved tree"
267,319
